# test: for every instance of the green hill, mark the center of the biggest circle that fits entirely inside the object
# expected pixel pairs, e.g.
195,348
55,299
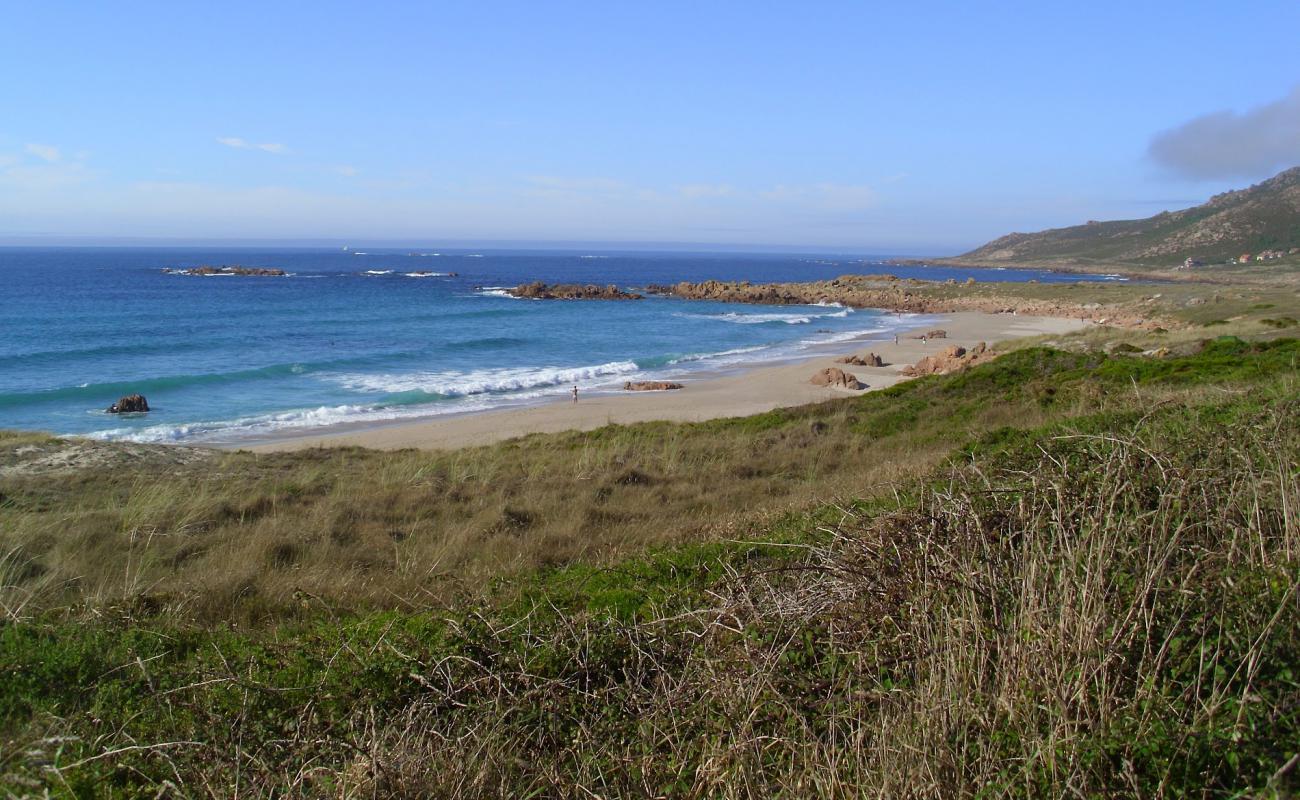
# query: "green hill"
1264,217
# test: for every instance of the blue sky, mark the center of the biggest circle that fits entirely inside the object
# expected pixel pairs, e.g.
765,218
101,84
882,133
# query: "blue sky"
910,128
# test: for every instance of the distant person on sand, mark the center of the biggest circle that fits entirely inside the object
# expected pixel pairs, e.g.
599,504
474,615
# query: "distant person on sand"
895,338
575,394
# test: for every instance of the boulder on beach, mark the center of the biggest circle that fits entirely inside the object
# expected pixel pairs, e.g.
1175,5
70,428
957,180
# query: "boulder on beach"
131,404
869,360
950,359
937,333
836,378
650,386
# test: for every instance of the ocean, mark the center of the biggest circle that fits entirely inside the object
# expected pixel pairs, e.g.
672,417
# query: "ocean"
372,336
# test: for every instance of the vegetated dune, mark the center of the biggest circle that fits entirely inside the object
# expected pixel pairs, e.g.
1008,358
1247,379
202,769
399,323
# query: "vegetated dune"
1105,569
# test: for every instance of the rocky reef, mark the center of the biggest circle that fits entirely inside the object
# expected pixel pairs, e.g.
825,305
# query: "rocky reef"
570,291
232,269
906,295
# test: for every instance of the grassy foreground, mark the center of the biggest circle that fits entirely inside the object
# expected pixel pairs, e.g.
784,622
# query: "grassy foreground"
1058,573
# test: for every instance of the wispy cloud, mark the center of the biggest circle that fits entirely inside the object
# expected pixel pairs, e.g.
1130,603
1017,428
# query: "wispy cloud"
825,196
347,170
1225,144
707,190
244,144
556,183
44,152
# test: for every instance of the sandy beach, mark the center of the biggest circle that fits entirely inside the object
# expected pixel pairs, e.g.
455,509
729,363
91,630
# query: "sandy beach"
759,389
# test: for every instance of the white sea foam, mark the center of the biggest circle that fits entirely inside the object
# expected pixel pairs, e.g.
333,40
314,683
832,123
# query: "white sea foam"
378,272
271,424
721,355
843,336
426,274
754,319
473,391
759,319
487,381
496,291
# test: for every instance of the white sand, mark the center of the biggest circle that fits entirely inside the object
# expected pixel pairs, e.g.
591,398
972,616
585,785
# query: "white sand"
752,392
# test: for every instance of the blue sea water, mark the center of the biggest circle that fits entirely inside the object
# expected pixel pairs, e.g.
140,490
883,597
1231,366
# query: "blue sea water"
376,336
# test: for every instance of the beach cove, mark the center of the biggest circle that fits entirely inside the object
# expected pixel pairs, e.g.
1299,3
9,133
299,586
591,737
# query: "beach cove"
241,346
754,390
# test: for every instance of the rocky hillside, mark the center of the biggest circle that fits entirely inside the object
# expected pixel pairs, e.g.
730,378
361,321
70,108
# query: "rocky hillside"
1264,218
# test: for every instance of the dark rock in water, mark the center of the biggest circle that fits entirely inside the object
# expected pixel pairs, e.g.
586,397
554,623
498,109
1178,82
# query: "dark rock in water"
570,291
260,272
131,404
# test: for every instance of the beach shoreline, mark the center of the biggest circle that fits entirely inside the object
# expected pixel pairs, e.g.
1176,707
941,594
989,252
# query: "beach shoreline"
755,389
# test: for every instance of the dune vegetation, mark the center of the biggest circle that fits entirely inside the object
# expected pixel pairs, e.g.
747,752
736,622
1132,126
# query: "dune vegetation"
1061,572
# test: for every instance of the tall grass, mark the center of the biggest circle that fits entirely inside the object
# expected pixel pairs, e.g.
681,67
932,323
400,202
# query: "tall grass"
1101,607
1096,596
1097,614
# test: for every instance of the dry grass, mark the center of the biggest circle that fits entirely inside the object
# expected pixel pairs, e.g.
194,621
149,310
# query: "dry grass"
1097,597
1115,616
251,537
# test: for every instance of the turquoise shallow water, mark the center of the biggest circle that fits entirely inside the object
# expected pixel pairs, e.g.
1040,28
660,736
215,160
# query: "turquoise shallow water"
364,338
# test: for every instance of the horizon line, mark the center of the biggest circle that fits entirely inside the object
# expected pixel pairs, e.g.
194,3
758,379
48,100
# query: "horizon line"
52,240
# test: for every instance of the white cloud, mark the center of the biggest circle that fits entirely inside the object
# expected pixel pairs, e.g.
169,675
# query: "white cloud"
45,152
243,144
346,170
1225,144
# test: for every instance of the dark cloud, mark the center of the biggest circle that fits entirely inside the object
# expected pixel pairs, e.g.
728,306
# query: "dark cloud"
1225,144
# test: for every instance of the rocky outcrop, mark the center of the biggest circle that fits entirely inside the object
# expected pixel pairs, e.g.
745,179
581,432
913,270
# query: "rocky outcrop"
912,296
650,386
835,378
131,404
937,333
570,291
258,272
950,359
869,360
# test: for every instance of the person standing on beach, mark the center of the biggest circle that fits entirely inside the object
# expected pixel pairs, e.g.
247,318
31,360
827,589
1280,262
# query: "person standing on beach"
575,395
